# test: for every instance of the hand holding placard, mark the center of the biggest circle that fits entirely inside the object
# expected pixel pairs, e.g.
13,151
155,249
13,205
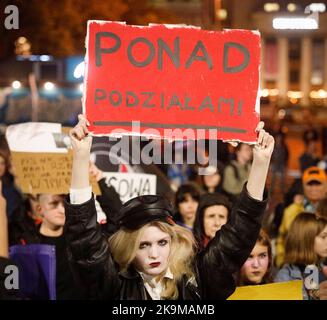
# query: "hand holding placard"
165,79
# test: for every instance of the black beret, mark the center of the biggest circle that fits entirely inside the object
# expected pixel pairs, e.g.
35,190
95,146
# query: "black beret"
141,210
212,199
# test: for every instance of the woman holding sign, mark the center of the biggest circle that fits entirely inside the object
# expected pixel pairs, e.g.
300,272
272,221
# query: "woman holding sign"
149,256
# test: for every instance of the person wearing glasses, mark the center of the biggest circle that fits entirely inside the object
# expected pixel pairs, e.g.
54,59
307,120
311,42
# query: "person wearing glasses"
150,256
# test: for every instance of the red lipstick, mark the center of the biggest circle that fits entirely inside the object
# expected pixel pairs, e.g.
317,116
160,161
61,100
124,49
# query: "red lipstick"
154,264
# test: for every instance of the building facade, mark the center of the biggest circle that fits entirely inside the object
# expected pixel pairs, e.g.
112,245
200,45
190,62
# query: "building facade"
294,62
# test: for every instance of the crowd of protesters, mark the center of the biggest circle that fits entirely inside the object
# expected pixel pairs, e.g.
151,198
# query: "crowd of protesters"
207,207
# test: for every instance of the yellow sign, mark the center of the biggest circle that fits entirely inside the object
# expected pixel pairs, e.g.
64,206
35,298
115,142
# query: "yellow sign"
39,172
291,290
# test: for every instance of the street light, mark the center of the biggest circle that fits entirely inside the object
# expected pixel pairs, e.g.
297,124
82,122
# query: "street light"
295,23
271,7
49,86
291,7
317,7
45,57
16,84
79,70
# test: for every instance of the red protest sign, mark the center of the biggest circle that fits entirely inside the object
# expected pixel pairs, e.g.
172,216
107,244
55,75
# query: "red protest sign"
169,78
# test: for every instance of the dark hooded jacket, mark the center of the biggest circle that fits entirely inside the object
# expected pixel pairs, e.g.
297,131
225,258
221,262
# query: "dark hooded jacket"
94,266
207,200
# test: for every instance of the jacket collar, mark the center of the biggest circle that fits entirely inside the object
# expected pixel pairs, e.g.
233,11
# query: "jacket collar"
150,279
129,273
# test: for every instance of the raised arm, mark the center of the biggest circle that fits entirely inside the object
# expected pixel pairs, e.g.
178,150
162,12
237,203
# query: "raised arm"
228,250
87,247
262,152
81,143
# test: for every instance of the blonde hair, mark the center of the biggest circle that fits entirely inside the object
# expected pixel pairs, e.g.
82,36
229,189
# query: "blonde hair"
125,243
299,246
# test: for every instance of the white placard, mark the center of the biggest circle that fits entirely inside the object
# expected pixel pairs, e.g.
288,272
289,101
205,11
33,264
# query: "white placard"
130,185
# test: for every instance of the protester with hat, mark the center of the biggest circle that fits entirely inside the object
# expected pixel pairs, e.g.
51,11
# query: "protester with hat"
314,181
151,257
213,212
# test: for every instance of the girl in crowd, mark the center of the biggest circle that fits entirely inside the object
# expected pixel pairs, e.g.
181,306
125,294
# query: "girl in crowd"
149,256
186,203
306,244
213,177
212,214
258,267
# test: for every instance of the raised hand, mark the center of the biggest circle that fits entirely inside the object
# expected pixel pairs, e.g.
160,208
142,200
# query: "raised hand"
264,147
81,143
80,137
262,152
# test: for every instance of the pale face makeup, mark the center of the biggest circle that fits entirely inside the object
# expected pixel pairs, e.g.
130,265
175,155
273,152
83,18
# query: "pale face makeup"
152,256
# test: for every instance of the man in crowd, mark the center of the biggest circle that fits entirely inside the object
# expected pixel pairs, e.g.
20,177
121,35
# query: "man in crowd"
314,183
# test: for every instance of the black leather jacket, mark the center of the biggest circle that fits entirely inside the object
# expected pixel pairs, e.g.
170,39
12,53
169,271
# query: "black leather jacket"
213,267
